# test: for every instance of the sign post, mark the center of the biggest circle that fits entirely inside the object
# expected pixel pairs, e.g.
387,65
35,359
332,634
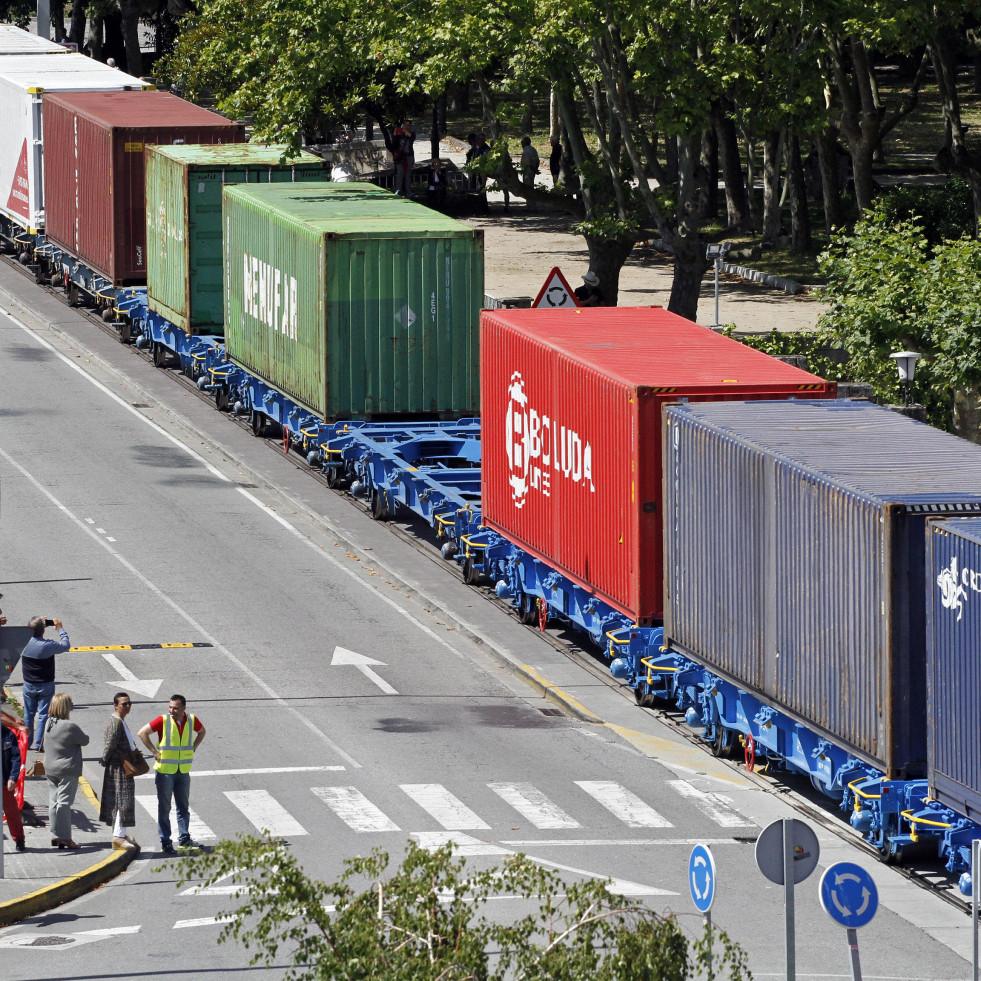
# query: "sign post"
849,896
701,881
787,852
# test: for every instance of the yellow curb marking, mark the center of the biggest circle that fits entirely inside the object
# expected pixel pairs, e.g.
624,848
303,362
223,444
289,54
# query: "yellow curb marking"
555,694
89,793
665,750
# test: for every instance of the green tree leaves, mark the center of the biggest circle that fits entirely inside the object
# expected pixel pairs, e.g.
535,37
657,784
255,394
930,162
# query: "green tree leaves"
432,918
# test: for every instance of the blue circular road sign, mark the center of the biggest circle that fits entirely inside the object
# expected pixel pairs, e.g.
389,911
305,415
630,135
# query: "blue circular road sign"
848,894
701,877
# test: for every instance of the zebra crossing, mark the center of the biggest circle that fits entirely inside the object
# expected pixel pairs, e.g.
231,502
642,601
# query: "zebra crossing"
353,808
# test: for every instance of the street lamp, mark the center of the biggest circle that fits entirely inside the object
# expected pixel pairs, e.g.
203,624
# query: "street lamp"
906,365
717,253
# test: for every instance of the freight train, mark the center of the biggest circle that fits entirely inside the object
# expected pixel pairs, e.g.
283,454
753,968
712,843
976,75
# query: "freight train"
797,574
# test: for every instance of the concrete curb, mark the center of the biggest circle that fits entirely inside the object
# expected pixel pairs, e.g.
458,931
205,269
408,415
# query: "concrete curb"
504,657
766,279
43,900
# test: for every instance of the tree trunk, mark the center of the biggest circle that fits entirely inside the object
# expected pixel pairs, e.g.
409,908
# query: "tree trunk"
772,158
800,219
76,33
434,132
606,259
554,125
670,160
708,204
527,117
460,97
130,24
93,39
830,183
58,19
967,413
690,262
732,170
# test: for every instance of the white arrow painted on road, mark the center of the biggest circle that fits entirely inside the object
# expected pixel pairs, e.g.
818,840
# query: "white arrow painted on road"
148,689
216,890
48,941
343,656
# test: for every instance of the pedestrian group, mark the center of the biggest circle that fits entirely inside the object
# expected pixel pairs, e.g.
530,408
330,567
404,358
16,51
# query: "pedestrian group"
47,728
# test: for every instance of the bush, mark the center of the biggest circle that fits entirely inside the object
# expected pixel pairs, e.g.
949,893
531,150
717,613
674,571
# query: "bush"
945,212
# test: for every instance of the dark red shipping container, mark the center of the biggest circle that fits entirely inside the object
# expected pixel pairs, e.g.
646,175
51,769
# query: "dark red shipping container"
94,195
571,433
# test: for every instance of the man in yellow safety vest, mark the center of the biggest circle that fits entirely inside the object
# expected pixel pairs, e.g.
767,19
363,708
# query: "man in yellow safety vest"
178,736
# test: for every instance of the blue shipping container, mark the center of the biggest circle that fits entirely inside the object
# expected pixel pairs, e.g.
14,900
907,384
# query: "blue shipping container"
953,604
794,559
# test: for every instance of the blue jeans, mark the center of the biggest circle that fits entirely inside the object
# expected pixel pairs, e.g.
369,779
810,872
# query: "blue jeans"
174,787
37,698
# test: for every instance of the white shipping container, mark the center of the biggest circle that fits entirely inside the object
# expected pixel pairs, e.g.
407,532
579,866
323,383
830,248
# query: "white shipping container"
23,81
14,41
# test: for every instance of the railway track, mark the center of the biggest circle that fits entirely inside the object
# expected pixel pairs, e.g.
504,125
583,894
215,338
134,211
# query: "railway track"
807,802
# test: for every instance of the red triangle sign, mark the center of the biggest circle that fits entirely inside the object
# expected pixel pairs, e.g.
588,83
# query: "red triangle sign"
556,294
19,201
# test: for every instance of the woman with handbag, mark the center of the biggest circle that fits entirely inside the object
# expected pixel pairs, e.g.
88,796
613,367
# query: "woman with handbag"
118,794
63,742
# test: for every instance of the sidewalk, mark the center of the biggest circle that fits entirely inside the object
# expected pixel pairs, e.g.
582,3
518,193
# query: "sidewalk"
44,877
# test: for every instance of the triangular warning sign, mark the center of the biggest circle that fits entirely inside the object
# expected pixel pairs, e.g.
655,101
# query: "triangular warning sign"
556,294
19,201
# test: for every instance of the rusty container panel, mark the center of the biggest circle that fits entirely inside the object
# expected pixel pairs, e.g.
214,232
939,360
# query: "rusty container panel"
795,538
352,301
95,183
24,81
571,433
953,603
183,216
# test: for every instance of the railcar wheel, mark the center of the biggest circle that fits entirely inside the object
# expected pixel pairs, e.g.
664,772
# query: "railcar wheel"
108,315
527,609
379,508
125,332
470,575
889,855
221,399
160,355
258,421
721,744
74,295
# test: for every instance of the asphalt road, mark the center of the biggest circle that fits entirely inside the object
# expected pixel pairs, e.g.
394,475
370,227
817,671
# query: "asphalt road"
123,511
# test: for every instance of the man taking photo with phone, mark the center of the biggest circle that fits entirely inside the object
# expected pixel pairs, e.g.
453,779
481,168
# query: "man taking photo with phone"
38,664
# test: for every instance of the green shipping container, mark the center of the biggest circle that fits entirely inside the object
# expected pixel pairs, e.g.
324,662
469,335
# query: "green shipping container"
183,218
353,302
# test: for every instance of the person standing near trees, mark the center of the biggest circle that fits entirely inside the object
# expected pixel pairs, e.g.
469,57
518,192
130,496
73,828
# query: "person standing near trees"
406,160
555,159
530,162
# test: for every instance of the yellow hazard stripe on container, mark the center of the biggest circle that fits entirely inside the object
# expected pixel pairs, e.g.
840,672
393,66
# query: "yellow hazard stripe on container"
809,388
132,647
664,391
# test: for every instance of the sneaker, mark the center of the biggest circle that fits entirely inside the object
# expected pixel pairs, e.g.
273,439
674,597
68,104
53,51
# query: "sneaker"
167,848
190,843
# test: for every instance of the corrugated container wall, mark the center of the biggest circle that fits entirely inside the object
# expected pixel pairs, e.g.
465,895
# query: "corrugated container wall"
571,433
352,301
953,603
24,78
95,183
14,41
794,556
183,217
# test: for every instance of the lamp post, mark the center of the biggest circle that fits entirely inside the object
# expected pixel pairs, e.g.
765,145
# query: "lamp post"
717,253
906,365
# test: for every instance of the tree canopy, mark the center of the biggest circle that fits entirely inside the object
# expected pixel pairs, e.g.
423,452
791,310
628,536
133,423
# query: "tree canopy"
431,917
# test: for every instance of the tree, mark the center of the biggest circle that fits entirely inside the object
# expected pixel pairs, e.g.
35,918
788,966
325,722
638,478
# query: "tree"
888,290
428,919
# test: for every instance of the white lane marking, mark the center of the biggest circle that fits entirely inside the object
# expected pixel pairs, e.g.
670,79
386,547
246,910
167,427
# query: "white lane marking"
463,845
450,811
265,812
215,890
147,688
203,921
41,941
467,847
354,809
532,804
343,656
108,539
199,831
251,773
615,842
282,703
89,521
622,887
714,806
101,531
623,804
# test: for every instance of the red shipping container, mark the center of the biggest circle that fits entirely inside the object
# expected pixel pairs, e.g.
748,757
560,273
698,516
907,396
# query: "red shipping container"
571,433
94,195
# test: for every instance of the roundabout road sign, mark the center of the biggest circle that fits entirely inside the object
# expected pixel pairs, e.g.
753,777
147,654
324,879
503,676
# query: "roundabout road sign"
848,894
701,877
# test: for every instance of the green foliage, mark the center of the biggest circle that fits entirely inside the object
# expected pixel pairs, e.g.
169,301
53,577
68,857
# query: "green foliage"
815,346
428,919
888,290
945,212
